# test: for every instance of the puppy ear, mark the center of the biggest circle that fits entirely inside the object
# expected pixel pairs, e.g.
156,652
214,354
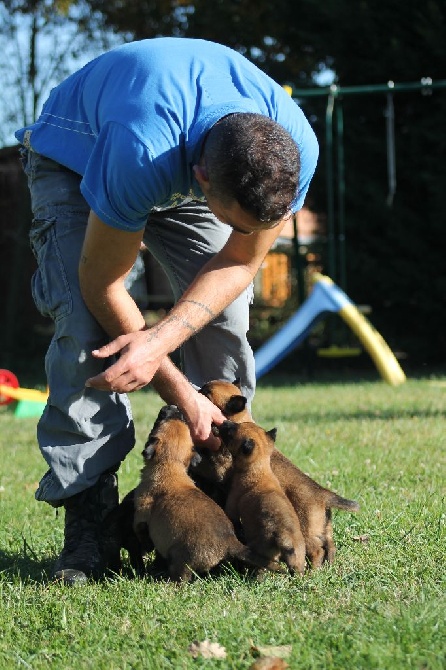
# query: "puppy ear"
150,448
235,404
247,446
237,382
272,433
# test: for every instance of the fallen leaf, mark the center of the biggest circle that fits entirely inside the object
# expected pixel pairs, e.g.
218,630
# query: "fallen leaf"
361,538
282,651
269,663
206,649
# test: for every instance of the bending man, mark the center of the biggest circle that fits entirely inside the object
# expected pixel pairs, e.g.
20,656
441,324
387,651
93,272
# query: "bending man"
183,145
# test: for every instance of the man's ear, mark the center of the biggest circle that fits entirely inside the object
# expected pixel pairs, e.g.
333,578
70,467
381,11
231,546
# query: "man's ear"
201,175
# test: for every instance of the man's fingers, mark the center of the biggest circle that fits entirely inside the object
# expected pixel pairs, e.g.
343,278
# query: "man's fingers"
218,417
119,379
100,383
121,384
111,348
106,380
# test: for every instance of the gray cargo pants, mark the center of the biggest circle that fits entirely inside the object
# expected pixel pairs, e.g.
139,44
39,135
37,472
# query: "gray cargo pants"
84,432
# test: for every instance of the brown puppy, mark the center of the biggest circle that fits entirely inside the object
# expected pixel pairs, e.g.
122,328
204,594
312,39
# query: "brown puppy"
186,527
213,472
312,502
269,523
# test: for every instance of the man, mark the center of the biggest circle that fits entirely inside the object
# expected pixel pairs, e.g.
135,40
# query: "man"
187,147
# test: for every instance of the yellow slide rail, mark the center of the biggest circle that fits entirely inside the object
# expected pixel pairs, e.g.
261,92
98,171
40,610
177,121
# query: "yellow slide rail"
325,297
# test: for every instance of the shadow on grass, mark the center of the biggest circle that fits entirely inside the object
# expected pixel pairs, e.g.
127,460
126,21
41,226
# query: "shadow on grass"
25,566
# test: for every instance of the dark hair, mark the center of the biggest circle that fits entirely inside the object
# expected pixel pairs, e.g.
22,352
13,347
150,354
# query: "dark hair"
254,160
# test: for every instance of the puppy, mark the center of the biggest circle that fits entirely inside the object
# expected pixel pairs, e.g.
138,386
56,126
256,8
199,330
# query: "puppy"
213,472
312,502
269,523
186,527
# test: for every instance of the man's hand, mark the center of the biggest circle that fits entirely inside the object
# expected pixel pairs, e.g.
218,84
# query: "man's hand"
136,366
200,414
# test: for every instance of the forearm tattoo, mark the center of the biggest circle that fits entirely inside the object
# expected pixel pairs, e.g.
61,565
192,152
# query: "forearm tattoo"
155,331
200,304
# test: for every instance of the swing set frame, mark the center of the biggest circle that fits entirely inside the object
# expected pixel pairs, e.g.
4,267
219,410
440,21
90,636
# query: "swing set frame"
334,120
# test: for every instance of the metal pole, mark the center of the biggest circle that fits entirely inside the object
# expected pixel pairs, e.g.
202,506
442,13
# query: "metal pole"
390,143
330,188
341,195
426,83
299,264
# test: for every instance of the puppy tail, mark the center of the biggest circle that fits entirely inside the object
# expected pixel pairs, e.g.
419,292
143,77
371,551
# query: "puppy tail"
343,503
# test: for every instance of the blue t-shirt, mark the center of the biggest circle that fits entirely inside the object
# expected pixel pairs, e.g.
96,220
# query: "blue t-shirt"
133,120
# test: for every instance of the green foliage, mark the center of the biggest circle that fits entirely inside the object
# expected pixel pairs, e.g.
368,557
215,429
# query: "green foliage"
41,43
379,606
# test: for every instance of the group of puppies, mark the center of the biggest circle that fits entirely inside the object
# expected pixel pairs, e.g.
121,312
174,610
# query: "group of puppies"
245,503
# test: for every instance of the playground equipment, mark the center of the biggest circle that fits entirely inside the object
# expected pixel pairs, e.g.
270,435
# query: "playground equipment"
334,149
28,402
327,297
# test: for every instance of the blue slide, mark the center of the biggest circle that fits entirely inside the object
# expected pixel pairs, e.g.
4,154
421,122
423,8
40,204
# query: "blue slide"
325,297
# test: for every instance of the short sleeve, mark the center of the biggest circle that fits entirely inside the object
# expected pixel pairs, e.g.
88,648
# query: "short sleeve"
120,182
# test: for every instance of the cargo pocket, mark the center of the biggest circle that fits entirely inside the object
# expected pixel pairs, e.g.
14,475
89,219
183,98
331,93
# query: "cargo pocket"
49,284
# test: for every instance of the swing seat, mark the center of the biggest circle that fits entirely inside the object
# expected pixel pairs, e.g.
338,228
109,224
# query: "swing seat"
334,351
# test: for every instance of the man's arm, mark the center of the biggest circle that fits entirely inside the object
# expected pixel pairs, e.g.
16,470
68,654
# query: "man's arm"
220,281
107,256
200,413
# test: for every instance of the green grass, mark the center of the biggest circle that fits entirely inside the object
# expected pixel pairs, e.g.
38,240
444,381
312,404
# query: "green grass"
381,604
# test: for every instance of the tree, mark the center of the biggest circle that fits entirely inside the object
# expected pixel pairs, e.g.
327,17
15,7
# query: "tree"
272,35
41,42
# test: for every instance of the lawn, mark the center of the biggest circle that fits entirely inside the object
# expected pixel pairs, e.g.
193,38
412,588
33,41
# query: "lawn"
381,604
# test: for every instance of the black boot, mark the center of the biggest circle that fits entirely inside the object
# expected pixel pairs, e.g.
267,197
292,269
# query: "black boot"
83,555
